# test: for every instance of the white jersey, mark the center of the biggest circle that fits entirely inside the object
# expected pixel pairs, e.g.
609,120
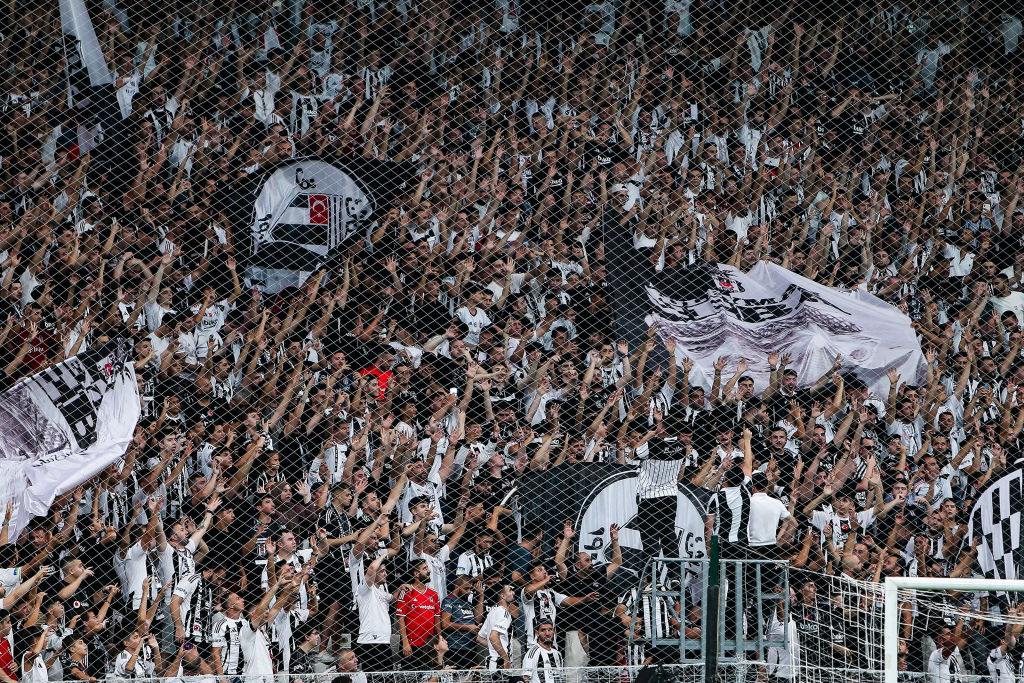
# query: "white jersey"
255,645
226,637
543,605
499,620
476,322
374,619
945,669
1000,667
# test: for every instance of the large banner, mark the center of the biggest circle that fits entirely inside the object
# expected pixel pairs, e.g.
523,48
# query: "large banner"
713,311
996,523
303,209
63,425
596,495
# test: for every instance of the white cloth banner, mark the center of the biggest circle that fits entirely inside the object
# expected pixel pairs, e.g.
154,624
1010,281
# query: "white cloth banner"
64,425
717,311
75,22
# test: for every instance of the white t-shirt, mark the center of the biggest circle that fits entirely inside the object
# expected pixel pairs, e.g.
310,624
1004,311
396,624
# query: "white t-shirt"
476,321
1013,301
374,620
499,620
945,669
438,572
10,578
766,514
142,669
256,650
136,569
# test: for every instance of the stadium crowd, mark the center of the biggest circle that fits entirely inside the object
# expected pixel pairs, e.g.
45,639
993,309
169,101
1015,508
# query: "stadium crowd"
327,476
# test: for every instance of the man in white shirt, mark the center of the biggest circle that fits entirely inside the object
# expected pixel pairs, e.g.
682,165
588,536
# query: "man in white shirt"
437,555
1003,299
473,316
769,521
769,518
945,665
254,638
496,631
139,658
1001,665
373,646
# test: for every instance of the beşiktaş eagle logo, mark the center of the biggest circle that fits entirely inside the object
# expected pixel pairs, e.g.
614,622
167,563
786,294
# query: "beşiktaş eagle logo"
613,501
705,305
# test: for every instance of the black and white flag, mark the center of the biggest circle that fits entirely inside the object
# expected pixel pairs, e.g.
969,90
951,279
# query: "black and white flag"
63,425
996,524
715,311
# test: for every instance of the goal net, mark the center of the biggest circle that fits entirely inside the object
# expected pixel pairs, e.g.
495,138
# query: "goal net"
907,628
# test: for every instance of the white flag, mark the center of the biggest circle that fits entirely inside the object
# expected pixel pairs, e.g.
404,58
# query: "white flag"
714,311
75,21
63,426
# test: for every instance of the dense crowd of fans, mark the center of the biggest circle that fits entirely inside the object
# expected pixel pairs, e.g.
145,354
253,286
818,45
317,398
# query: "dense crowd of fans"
327,476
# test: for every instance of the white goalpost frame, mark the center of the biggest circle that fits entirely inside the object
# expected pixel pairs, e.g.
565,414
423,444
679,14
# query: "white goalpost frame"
891,622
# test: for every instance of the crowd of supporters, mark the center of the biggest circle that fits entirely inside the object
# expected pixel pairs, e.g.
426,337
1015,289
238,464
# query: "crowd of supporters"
326,477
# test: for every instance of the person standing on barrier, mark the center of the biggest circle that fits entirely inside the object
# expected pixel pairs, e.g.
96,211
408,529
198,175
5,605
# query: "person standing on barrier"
770,520
542,663
658,488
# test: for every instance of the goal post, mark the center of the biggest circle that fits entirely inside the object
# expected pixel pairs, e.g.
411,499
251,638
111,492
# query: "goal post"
892,587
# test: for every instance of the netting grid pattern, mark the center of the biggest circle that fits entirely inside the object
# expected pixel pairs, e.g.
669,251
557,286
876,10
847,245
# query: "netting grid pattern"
444,318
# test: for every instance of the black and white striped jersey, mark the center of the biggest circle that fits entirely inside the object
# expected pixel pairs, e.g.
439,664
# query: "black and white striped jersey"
226,637
196,606
660,466
541,665
731,508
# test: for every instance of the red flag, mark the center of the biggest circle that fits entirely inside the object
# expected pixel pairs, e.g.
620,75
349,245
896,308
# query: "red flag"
318,211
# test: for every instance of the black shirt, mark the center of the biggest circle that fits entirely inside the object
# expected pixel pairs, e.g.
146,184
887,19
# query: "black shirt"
300,662
583,616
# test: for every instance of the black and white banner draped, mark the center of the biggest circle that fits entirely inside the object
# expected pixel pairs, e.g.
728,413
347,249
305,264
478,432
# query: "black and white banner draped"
996,523
714,310
596,495
63,425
